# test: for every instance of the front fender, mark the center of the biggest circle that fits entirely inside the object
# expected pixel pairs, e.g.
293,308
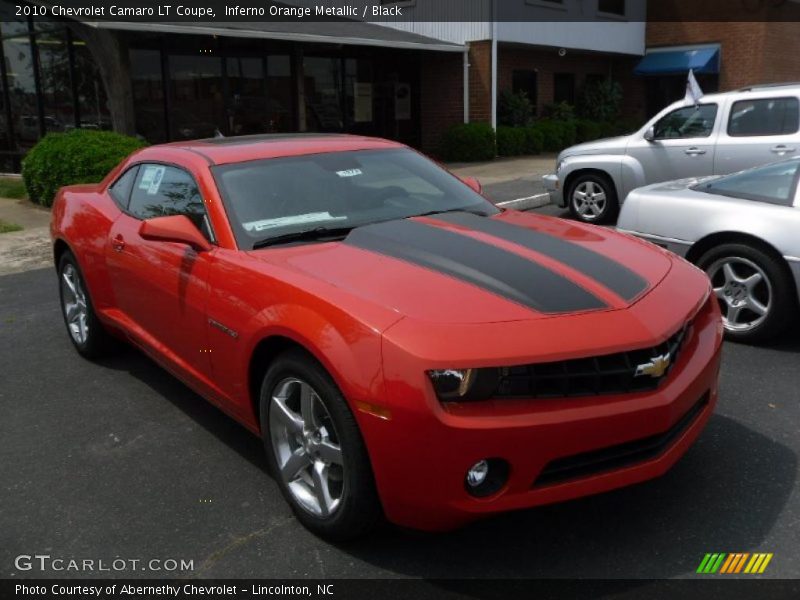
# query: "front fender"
624,171
347,349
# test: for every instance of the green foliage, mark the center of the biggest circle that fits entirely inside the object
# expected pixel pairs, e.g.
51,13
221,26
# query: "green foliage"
560,111
588,130
514,110
556,135
12,187
534,140
511,141
8,227
78,156
600,101
469,142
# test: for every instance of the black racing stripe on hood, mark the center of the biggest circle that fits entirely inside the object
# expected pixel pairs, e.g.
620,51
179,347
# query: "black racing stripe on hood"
616,277
491,268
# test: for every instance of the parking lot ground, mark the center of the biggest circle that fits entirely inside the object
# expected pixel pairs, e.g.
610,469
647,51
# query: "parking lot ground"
119,459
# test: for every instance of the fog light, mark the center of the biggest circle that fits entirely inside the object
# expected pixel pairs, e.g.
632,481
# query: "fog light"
486,477
477,473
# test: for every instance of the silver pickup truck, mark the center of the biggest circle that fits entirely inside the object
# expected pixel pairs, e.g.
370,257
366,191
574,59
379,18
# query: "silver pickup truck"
722,134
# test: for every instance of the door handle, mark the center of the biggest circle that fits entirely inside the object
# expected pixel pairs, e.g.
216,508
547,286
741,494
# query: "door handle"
781,149
118,243
694,151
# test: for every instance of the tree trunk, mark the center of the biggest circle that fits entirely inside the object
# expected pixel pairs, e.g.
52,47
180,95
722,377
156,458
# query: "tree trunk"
110,53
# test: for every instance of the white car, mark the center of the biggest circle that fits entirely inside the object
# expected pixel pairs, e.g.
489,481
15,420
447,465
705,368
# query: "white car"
722,134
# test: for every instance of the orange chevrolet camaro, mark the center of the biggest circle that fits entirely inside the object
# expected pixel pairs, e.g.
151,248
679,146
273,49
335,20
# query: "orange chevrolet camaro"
403,347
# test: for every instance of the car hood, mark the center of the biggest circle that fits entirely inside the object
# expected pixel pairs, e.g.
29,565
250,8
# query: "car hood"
614,145
462,268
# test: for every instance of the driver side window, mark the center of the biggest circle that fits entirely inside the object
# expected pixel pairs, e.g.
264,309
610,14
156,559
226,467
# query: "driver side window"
687,122
163,190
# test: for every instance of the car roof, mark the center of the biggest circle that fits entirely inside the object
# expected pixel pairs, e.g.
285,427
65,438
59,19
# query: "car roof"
226,150
777,88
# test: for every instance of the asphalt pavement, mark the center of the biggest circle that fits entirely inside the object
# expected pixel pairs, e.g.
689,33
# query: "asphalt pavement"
118,459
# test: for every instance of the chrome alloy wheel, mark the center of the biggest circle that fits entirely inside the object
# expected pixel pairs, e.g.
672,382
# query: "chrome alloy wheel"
306,447
589,200
743,290
73,303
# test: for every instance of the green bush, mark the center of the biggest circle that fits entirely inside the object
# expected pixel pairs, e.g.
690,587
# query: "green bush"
534,140
600,101
469,142
511,141
514,109
556,135
588,130
78,156
560,111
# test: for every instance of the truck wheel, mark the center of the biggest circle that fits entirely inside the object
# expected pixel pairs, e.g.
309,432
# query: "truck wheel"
592,198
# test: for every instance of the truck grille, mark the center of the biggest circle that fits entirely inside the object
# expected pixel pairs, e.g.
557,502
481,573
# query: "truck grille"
633,371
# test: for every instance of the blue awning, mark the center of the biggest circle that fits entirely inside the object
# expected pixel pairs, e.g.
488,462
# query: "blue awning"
677,62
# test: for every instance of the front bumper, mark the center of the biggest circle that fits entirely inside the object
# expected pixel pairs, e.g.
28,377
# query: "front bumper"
420,456
552,184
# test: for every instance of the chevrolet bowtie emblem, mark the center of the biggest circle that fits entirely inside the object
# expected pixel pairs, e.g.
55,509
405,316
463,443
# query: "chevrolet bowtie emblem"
655,368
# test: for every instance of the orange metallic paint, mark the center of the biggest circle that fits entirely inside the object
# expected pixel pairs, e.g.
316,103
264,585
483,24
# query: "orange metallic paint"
377,324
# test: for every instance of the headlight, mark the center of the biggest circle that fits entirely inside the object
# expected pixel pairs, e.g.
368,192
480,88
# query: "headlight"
453,385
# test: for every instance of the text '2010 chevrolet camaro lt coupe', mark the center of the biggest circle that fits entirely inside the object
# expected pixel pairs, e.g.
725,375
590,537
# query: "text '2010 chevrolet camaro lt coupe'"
404,348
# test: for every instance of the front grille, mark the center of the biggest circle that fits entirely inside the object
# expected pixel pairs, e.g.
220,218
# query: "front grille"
617,457
596,375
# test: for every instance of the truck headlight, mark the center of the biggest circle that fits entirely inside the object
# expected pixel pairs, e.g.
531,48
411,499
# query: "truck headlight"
454,385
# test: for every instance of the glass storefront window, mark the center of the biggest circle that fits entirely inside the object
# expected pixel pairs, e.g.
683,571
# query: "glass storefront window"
198,108
247,102
59,108
148,94
21,84
323,93
92,99
279,91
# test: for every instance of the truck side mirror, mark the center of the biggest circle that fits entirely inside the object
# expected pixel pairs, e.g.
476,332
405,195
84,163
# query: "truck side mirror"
650,134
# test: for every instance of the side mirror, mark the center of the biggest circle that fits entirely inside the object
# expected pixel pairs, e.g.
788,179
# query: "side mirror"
650,134
176,228
473,183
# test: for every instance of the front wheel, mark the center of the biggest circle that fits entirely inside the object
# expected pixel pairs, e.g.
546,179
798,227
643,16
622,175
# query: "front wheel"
754,292
315,449
593,198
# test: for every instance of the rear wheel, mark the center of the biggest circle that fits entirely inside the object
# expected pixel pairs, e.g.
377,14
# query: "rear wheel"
315,449
593,198
753,290
87,334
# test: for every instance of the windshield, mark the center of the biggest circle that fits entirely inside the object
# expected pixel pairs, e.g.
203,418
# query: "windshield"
339,190
774,183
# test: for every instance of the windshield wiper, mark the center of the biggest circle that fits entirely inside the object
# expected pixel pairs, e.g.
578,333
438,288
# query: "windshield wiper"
317,233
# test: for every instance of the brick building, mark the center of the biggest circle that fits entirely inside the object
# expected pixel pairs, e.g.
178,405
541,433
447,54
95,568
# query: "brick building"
748,53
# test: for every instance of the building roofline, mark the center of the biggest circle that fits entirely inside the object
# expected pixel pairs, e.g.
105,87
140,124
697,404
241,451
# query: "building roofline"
410,44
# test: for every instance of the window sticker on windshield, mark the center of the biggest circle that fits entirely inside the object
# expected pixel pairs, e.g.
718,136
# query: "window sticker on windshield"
349,173
151,179
316,217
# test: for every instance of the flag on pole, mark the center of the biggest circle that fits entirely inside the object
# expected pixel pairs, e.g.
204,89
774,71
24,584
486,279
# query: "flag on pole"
693,91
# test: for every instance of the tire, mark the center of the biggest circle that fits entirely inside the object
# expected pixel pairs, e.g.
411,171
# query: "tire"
592,198
315,466
85,330
755,293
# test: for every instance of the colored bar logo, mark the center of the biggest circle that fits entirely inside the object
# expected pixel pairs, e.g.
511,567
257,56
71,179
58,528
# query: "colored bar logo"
737,562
